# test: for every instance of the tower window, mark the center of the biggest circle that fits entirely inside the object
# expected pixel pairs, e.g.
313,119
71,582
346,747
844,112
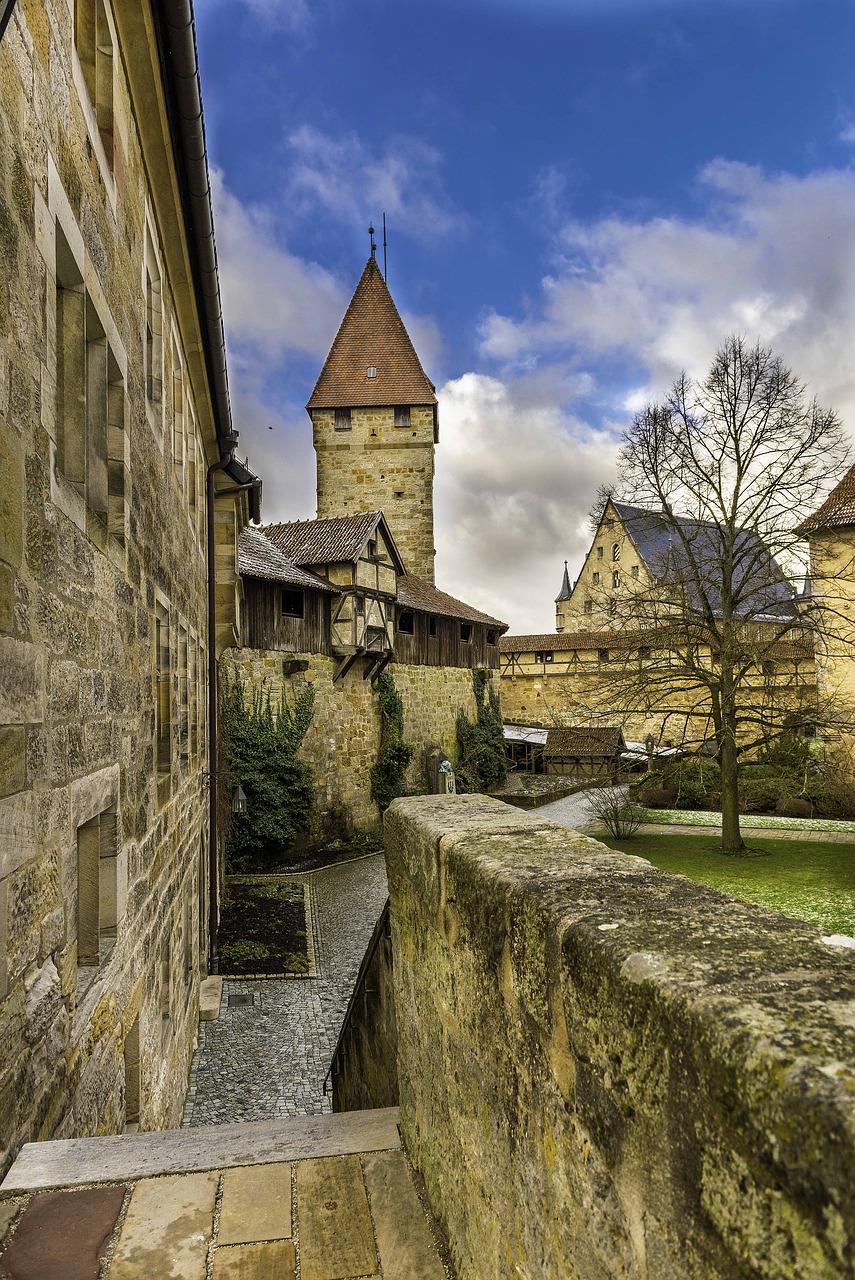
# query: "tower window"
292,603
342,420
402,415
406,622
372,371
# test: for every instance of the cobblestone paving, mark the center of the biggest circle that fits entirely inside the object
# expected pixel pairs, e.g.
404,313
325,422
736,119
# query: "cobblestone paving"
270,1058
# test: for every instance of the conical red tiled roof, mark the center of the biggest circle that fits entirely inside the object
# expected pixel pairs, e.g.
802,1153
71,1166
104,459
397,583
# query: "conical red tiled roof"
372,336
838,510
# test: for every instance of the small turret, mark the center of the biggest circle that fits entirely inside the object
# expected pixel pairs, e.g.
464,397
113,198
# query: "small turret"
564,594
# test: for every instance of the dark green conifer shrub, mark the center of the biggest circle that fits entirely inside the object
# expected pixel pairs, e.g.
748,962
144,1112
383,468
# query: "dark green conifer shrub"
260,743
482,762
388,774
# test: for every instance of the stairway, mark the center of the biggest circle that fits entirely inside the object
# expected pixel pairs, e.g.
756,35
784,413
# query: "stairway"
317,1198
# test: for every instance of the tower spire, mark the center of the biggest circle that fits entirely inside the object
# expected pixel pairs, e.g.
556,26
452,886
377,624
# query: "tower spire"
373,245
566,590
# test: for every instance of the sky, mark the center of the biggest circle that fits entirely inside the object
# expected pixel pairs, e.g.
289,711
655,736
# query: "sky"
583,198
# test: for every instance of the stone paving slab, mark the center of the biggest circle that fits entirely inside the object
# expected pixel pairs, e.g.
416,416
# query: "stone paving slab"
352,1216
74,1161
63,1234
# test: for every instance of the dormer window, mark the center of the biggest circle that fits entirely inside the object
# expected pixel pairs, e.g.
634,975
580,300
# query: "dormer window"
342,420
372,372
402,415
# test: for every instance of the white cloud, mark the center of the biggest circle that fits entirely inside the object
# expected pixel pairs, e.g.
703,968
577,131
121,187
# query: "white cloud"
773,257
291,14
273,301
515,479
404,181
847,134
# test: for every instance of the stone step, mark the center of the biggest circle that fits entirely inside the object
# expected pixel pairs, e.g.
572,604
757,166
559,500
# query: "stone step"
77,1162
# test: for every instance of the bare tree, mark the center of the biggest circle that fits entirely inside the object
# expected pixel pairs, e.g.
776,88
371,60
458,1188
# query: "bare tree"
728,466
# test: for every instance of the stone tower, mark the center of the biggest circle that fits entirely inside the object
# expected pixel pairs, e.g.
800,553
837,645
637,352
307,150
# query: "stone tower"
374,422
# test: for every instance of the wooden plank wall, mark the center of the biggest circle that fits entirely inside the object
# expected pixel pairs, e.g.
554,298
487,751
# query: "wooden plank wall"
445,649
266,627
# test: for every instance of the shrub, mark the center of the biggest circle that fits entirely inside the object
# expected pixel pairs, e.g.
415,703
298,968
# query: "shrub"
761,792
388,774
794,807
482,762
621,816
260,744
835,795
658,797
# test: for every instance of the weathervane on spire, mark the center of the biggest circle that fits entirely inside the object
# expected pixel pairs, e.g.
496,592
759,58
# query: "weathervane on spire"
373,245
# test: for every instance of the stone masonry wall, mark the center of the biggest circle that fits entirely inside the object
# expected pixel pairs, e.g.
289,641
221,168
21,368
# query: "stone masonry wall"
611,1073
376,466
343,740
78,602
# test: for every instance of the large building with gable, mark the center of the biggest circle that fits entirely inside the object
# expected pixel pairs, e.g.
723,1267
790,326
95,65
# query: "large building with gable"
337,600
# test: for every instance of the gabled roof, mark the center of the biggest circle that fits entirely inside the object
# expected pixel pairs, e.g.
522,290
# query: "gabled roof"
566,590
837,511
336,540
605,741
259,558
416,593
765,591
372,335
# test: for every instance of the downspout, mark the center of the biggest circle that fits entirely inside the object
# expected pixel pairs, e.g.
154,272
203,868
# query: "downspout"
6,7
213,846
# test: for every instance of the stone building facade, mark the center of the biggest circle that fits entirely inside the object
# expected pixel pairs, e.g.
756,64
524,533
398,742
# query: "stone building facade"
113,405
603,665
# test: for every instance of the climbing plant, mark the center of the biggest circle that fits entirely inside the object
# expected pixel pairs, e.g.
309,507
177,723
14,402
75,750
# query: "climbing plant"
482,762
389,772
260,741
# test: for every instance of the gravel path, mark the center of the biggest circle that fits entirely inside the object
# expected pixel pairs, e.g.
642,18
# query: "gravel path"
571,812
270,1058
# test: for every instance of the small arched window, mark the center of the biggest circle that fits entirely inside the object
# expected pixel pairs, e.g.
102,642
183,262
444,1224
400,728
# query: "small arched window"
616,551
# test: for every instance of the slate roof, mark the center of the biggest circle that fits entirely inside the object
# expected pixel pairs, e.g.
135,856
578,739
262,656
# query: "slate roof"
838,510
606,741
332,541
259,558
416,593
566,590
372,334
767,591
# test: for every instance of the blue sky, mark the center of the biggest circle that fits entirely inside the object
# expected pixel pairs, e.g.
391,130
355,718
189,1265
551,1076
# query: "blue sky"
583,197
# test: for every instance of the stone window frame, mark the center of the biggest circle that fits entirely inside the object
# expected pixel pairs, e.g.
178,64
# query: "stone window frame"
153,326
162,658
101,365
94,63
99,871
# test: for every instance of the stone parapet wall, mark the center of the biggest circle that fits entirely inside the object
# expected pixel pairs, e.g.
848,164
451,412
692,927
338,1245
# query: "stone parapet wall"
343,740
610,1072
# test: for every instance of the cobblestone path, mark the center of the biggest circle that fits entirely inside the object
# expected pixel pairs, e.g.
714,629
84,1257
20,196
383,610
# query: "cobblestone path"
270,1058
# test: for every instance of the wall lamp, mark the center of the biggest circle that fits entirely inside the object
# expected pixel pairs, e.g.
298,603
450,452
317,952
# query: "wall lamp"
210,780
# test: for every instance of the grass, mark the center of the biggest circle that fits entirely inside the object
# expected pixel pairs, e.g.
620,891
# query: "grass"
809,879
712,818
263,927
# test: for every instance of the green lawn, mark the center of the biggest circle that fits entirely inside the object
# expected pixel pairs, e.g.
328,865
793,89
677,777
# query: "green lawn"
804,878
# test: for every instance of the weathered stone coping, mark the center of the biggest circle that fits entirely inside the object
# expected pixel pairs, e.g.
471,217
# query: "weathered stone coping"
74,1162
610,1071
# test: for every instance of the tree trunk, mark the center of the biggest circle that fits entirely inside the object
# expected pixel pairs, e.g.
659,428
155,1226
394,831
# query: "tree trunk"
731,836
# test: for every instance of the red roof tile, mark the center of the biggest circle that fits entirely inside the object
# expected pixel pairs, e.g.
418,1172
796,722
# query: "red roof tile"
838,510
415,593
372,335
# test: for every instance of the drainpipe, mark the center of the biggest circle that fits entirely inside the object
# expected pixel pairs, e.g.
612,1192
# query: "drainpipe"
6,7
213,847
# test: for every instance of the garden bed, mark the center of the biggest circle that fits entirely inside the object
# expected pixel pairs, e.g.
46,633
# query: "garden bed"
264,928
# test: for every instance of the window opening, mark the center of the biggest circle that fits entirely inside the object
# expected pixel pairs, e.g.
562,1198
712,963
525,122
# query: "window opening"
342,420
466,632
402,415
406,622
292,603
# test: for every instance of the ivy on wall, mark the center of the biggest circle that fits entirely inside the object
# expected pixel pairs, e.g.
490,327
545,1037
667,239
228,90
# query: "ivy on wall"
389,772
260,741
482,762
